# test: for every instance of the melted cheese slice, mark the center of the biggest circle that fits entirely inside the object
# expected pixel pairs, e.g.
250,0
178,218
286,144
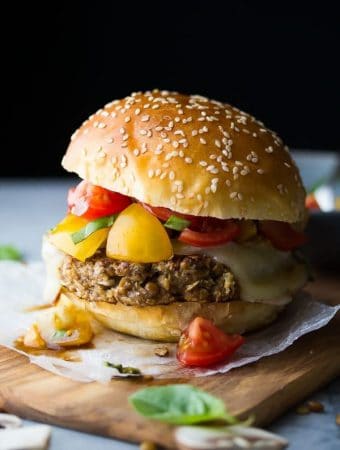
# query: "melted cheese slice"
264,274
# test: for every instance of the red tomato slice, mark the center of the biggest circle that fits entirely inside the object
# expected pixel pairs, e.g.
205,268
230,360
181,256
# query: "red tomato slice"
164,214
91,202
202,344
282,235
225,231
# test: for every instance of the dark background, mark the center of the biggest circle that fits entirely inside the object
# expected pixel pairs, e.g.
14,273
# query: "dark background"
62,61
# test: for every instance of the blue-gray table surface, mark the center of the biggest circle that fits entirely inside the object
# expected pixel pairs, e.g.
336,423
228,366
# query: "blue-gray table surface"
30,207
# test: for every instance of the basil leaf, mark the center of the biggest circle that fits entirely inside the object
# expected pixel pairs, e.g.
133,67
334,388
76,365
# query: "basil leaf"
177,223
179,404
91,227
9,252
123,369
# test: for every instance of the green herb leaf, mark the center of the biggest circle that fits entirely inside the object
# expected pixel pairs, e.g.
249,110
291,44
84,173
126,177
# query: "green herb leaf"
123,369
177,223
59,334
10,252
91,227
179,404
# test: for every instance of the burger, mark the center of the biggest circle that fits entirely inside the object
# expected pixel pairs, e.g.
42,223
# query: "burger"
188,207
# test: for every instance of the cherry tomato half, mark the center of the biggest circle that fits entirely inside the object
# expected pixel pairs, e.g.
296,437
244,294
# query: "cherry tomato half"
90,201
282,235
312,203
216,234
202,344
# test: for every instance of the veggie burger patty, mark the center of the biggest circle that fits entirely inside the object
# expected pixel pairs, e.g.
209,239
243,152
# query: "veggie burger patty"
196,278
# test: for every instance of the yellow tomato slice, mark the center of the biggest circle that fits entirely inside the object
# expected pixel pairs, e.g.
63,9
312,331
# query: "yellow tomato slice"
138,236
60,237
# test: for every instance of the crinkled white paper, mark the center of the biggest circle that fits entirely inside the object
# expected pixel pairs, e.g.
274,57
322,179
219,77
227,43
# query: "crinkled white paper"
21,287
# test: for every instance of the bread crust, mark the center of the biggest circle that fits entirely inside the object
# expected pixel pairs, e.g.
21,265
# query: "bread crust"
190,154
166,322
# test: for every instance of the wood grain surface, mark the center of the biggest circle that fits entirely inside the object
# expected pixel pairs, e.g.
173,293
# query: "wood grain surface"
266,388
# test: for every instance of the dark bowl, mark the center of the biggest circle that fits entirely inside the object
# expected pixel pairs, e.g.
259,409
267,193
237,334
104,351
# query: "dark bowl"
323,247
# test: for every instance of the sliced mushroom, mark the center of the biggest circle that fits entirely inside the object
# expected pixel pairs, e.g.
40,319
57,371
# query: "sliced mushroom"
10,421
227,438
34,437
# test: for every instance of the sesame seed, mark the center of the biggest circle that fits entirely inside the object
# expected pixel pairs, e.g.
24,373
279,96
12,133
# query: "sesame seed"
181,132
122,130
110,140
239,196
233,195
137,111
202,141
175,144
125,137
218,143
127,119
228,183
269,149
260,171
145,118
194,133
114,114
123,162
150,173
203,163
177,119
163,175
287,165
136,152
188,160
207,190
172,175
143,132
159,128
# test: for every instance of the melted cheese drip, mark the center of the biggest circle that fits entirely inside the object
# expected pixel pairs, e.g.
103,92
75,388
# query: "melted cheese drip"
53,259
264,274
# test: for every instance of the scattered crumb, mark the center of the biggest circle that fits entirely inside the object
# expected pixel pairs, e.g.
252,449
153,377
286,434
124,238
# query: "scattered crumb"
315,406
337,419
161,351
302,409
147,445
310,406
148,378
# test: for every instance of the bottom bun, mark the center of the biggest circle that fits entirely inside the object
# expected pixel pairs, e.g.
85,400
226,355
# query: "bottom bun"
166,322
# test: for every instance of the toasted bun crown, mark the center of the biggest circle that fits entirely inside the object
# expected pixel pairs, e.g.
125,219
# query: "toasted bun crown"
190,154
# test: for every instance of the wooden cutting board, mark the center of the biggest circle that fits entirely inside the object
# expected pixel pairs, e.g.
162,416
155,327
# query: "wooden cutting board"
266,388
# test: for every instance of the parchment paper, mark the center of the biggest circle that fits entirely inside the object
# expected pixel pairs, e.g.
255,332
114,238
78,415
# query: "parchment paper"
21,287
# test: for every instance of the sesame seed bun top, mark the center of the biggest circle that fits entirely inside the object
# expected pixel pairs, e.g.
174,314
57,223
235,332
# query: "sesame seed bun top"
190,154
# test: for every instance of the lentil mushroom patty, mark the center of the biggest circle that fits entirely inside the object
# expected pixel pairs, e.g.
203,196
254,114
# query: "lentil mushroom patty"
196,278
